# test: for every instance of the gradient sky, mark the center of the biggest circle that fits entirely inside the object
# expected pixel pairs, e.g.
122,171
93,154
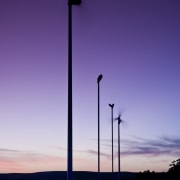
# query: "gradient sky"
133,43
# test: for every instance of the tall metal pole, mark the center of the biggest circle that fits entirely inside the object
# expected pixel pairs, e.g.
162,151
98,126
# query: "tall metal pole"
70,158
70,141
98,81
119,121
112,106
119,150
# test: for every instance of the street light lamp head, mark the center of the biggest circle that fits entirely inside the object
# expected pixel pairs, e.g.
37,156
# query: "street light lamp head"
75,2
111,105
99,78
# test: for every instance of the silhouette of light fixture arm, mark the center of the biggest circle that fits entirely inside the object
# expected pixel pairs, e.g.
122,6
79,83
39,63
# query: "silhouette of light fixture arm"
99,78
111,105
75,2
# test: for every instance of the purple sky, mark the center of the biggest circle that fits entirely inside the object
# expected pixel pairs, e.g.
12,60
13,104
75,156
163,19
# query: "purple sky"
133,43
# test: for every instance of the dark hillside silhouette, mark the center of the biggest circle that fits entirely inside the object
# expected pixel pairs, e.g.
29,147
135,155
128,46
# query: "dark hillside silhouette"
78,175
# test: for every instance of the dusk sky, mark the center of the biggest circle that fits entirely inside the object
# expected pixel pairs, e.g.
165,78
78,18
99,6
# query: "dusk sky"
133,43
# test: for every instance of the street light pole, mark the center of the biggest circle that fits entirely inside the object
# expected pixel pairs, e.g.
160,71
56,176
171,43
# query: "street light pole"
70,142
98,82
112,106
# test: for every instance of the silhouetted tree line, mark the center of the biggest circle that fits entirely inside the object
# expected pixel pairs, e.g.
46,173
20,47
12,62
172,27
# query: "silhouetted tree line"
147,175
174,170
172,174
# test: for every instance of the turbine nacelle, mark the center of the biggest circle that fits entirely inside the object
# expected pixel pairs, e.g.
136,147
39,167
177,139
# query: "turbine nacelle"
119,118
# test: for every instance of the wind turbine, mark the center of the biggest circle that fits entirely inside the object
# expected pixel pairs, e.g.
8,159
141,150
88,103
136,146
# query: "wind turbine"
119,121
112,106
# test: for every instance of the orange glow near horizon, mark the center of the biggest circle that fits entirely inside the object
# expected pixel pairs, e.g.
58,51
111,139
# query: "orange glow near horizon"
30,163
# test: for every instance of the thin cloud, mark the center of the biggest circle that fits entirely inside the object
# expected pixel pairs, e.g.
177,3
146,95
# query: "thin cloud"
8,150
148,147
96,153
157,147
11,166
19,161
